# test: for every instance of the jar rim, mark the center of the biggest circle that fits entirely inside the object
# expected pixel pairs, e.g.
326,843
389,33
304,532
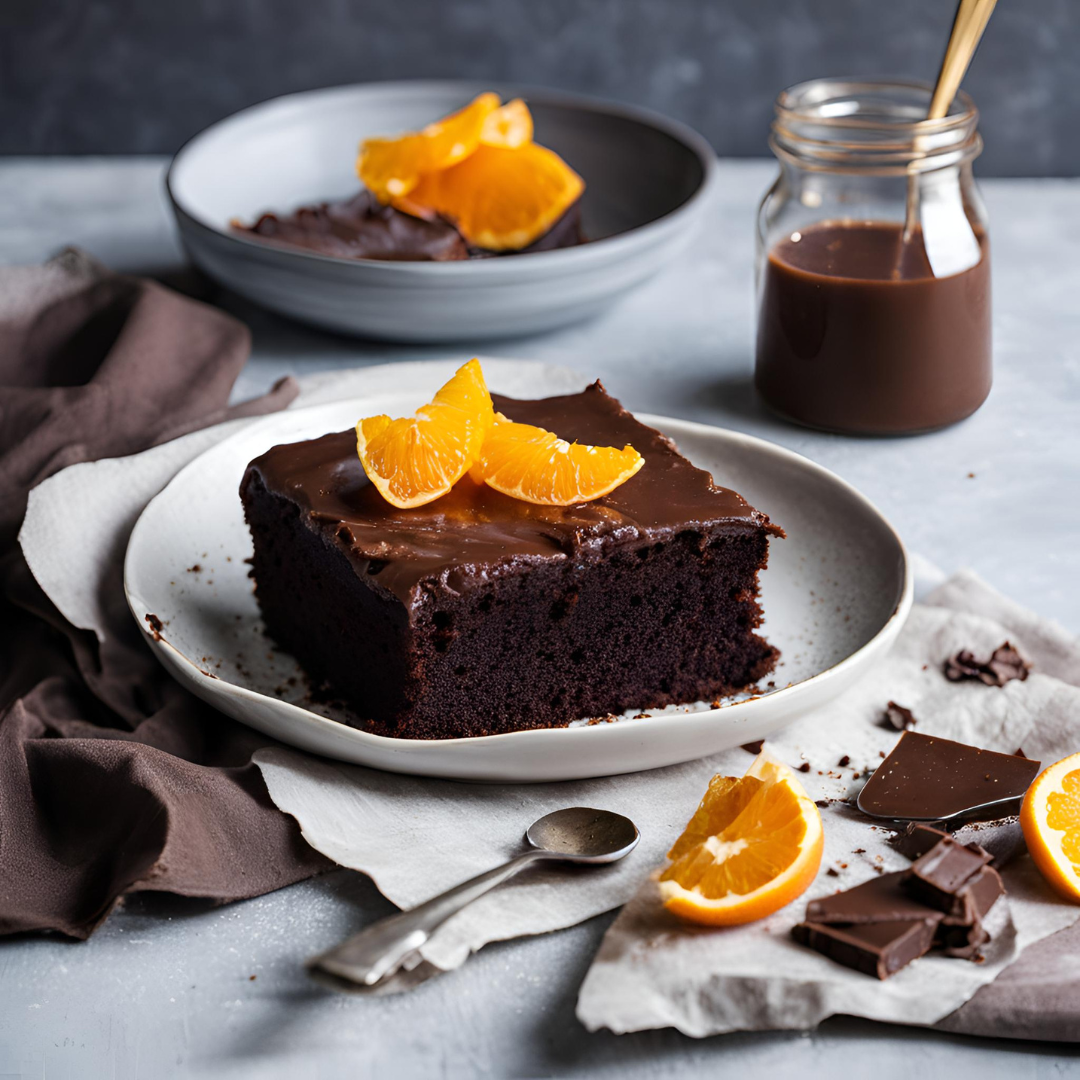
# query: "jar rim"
803,103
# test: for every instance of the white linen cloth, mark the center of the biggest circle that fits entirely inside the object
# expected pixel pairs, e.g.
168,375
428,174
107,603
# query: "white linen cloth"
416,837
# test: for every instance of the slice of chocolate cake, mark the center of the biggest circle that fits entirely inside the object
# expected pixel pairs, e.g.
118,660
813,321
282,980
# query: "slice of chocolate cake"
479,614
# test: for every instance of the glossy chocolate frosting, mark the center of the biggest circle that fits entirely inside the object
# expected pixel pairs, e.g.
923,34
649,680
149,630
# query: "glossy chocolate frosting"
474,533
362,228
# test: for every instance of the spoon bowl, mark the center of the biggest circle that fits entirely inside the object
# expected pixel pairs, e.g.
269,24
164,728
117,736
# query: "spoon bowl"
581,834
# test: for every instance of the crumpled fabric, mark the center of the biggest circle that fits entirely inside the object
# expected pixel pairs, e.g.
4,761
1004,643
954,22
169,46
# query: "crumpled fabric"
113,779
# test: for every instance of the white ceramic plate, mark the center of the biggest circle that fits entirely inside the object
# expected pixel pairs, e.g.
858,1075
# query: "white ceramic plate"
835,595
647,182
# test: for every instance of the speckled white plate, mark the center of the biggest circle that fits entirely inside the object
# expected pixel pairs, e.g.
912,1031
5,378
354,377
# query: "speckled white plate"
835,595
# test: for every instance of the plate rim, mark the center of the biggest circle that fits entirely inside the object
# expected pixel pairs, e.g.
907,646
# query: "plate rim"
477,268
169,655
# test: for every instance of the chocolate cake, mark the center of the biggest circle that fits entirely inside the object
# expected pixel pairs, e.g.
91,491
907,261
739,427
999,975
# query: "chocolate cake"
362,228
479,614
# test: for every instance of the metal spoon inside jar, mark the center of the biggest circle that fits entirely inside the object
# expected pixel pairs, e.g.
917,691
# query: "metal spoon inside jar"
578,834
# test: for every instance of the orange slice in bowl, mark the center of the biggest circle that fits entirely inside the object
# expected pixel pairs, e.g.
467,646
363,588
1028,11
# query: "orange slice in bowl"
1050,818
753,846
416,459
536,466
501,199
509,126
391,168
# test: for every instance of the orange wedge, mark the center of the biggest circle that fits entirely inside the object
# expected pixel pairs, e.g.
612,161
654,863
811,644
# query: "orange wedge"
536,466
416,459
753,846
391,168
509,126
1050,818
500,199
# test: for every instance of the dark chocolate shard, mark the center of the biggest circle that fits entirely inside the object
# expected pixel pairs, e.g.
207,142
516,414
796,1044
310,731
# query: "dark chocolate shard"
753,747
927,778
878,900
961,942
879,949
917,839
1004,665
899,717
938,877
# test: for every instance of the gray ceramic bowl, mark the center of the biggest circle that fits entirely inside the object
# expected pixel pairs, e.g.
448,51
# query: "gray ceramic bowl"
648,181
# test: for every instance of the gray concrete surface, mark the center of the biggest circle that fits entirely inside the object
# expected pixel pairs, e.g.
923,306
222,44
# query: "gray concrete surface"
165,988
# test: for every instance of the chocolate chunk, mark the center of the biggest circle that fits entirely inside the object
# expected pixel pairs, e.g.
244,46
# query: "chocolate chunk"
962,942
880,949
804,767
1004,665
917,839
845,760
926,778
753,747
899,717
937,878
877,900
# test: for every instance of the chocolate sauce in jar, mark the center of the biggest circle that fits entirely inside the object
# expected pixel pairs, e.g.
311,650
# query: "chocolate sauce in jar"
857,335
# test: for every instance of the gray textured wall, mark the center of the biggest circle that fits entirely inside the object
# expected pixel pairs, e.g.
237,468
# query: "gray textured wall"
120,76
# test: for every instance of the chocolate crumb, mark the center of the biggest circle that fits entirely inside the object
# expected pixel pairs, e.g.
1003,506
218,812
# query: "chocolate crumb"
845,760
832,873
1004,665
899,717
196,569
753,747
155,626
804,767
251,978
821,802
859,851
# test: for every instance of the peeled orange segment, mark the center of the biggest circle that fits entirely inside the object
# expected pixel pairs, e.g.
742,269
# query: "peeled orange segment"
753,846
414,460
1050,818
536,466
509,126
501,199
391,168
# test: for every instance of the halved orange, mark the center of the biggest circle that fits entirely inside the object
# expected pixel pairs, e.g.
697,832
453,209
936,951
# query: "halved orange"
391,168
753,846
536,466
500,199
509,126
416,459
1050,818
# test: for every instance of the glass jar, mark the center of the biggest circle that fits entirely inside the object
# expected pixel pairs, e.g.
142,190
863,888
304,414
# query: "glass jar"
873,261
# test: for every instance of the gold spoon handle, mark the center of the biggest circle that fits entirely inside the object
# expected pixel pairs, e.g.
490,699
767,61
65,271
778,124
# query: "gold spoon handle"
967,30
968,26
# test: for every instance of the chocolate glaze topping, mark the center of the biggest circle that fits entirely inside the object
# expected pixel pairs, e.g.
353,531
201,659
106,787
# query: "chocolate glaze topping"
362,228
474,533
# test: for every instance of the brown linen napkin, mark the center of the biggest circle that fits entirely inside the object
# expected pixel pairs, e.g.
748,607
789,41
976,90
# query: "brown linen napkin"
113,779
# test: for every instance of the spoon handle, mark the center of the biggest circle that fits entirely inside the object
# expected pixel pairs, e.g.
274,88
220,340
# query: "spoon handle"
379,949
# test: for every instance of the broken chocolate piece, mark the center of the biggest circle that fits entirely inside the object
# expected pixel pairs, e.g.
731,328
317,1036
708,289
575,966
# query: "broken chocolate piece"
877,900
1004,665
880,949
917,839
927,778
845,760
753,747
899,717
937,878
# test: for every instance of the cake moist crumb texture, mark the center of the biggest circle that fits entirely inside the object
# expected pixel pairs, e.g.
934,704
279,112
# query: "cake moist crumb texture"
479,614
